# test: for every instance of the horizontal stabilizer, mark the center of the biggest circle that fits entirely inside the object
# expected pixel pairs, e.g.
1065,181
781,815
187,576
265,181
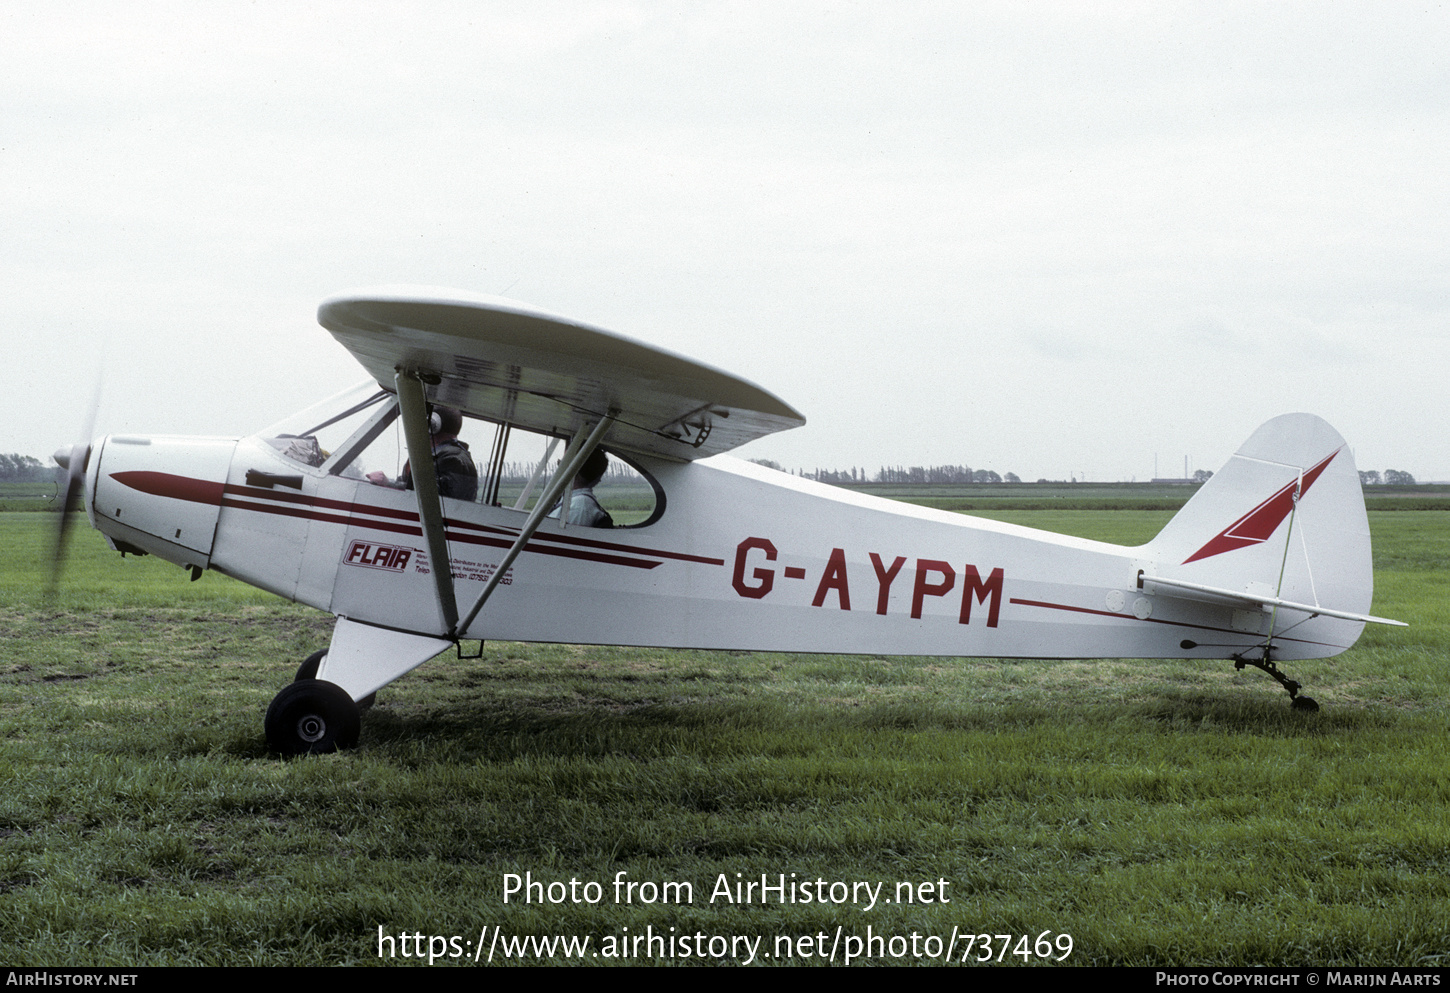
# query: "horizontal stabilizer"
1267,601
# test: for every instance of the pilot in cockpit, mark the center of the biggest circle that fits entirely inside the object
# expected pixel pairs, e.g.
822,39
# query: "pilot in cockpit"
452,464
584,509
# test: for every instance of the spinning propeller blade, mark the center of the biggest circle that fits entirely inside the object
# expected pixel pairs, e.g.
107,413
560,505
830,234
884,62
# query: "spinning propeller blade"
74,460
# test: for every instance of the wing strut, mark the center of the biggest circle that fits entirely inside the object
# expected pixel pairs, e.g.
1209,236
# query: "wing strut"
536,475
375,425
579,449
414,407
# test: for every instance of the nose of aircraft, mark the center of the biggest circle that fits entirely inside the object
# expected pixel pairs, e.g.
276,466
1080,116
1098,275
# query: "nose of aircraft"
73,459
159,494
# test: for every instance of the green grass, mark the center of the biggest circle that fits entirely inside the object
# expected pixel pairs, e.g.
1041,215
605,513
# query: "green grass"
27,496
1159,813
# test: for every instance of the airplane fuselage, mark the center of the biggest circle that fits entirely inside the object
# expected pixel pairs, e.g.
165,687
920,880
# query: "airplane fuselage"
741,557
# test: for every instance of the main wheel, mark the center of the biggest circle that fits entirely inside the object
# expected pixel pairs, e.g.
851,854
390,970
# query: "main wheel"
308,670
312,716
1304,703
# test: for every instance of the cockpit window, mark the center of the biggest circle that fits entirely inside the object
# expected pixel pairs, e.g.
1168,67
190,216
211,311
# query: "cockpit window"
311,436
632,498
521,463
358,434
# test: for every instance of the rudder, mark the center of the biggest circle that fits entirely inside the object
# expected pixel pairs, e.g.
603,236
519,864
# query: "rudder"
1283,518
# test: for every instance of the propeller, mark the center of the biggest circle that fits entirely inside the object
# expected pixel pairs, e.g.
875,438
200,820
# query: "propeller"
74,460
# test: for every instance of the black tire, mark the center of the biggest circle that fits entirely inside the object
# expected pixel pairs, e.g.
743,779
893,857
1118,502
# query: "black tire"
1305,704
312,717
308,670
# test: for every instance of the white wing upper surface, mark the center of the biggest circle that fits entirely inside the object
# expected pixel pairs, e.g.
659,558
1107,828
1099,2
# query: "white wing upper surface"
506,361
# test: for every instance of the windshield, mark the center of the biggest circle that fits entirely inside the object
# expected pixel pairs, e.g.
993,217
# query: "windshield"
310,419
312,434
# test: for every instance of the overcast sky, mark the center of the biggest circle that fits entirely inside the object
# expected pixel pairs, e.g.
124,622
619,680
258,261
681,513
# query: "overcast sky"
1046,238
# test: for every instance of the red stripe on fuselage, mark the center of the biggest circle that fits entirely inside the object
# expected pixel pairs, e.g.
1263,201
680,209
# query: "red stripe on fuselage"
353,514
567,539
168,485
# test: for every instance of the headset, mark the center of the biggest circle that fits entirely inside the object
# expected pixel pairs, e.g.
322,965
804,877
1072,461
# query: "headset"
442,419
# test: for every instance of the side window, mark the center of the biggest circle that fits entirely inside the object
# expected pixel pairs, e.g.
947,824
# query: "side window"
520,466
632,498
380,455
359,435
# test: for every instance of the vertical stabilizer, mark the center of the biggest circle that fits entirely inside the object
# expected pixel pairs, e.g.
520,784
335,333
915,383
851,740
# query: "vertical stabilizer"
1284,518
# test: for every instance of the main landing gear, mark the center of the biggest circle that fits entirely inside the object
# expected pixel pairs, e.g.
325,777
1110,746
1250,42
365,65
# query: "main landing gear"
1266,663
308,670
312,716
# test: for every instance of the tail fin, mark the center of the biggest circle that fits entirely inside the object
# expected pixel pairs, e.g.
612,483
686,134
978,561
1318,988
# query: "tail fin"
1284,520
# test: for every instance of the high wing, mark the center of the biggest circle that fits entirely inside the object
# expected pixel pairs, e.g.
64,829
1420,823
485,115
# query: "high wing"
508,362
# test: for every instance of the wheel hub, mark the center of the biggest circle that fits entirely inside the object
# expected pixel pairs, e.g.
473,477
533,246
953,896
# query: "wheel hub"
311,716
311,728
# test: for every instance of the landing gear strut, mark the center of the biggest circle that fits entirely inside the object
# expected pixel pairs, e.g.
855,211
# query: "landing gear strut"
308,670
1266,663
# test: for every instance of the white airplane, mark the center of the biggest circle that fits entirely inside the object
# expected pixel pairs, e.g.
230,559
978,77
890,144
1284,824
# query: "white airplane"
1269,561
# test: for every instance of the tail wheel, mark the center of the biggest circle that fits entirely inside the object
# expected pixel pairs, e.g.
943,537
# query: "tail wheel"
312,716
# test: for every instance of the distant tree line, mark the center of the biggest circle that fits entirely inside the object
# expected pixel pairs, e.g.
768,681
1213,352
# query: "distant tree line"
966,474
24,469
521,472
1391,477
898,474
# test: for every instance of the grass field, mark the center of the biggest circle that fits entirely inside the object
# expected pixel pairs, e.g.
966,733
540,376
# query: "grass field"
27,496
1158,813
